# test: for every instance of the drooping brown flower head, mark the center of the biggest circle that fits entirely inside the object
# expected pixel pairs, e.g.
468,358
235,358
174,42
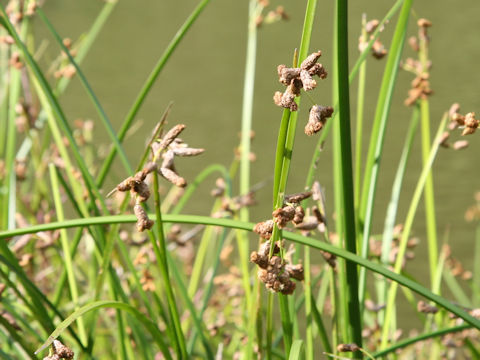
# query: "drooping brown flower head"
296,78
317,119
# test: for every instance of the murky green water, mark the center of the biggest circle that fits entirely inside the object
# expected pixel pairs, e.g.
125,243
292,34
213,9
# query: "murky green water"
204,78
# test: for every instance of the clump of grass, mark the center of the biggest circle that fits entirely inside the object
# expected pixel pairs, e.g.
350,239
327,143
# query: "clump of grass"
193,288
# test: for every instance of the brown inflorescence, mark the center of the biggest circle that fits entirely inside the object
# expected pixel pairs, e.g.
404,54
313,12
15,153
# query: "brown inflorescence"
60,351
348,347
296,78
378,49
425,308
274,271
166,148
317,118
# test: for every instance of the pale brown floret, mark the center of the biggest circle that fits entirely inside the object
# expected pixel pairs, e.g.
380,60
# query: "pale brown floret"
264,229
143,222
297,197
371,26
460,144
299,215
378,50
307,80
286,75
186,151
317,118
471,124
170,136
348,347
319,70
425,308
172,177
283,215
310,60
424,23
295,271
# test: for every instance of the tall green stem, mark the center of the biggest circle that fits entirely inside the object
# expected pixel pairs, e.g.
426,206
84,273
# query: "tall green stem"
348,214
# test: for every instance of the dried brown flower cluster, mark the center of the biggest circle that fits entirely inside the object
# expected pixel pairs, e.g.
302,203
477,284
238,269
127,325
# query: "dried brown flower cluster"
454,265
296,78
168,147
420,85
274,271
378,49
468,121
60,351
376,246
317,118
272,16
426,308
348,347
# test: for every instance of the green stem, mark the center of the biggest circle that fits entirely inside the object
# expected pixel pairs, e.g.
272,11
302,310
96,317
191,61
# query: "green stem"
160,250
348,214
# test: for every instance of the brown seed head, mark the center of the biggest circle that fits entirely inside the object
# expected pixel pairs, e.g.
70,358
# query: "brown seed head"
424,23
171,135
61,350
348,347
172,177
264,229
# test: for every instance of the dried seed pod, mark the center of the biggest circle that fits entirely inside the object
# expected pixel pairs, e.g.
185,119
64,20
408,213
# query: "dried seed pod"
288,288
460,144
378,50
142,191
309,223
186,151
329,258
264,229
168,157
143,222
307,80
443,139
424,23
295,271
171,135
310,60
317,118
259,259
319,70
173,177
471,124
288,99
297,197
283,215
61,350
348,347
425,308
286,75
371,26
299,215
413,42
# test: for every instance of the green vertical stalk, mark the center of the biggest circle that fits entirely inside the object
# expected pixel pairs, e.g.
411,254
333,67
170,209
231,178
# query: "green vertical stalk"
160,250
254,10
346,169
382,111
429,197
359,126
72,283
392,209
341,318
406,231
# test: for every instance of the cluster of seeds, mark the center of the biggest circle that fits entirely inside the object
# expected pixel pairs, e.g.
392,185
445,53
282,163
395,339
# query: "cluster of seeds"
168,147
420,85
468,121
378,49
274,271
60,351
296,78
